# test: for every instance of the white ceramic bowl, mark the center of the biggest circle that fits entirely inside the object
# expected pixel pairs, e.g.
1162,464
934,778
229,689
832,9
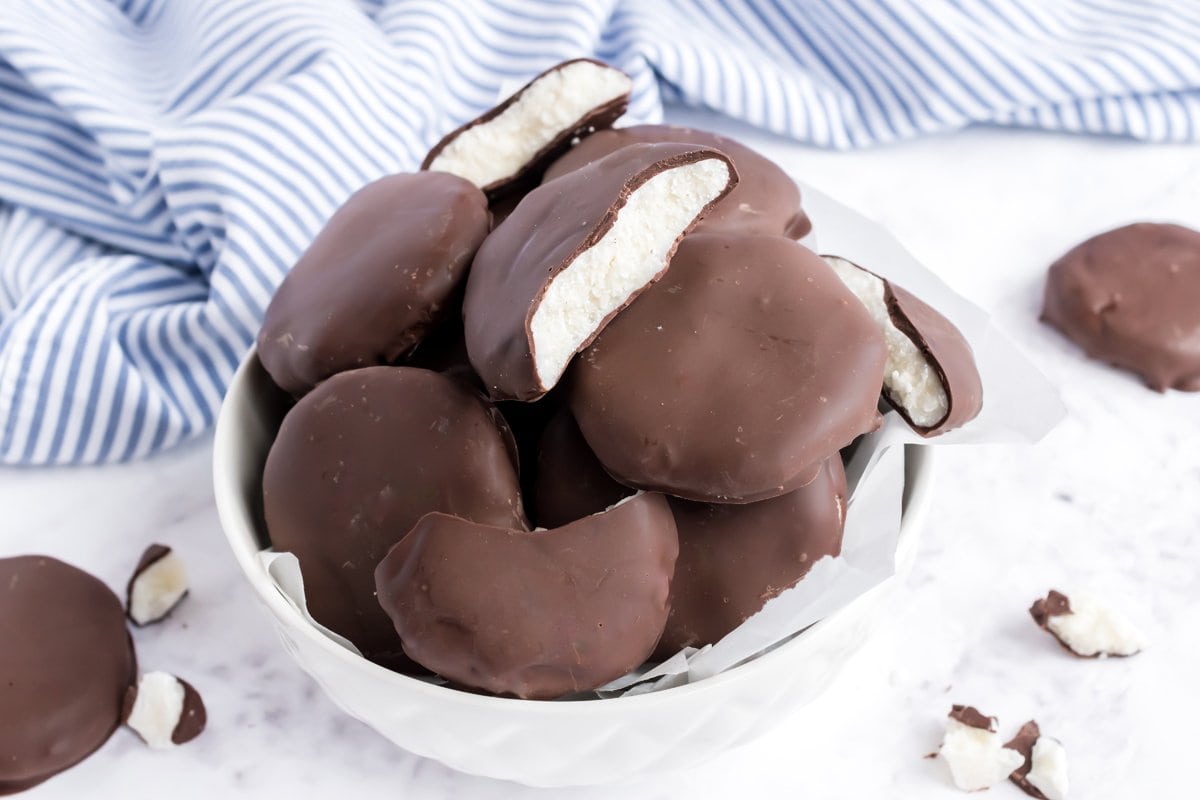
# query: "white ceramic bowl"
532,742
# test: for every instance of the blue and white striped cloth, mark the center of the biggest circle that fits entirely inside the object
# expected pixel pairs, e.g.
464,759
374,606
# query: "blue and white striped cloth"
163,162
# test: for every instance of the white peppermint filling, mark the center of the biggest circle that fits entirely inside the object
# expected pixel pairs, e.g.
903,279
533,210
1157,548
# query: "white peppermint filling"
1048,773
1093,630
631,253
157,589
977,758
497,149
911,380
157,709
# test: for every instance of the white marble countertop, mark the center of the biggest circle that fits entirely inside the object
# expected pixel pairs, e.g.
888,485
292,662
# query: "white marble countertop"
1110,502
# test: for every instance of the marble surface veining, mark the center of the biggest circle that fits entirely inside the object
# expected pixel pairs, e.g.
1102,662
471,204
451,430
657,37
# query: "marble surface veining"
1109,502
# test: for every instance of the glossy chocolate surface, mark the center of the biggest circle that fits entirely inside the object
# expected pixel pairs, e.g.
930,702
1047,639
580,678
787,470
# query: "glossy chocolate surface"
66,661
1131,297
765,202
357,462
538,614
382,271
734,377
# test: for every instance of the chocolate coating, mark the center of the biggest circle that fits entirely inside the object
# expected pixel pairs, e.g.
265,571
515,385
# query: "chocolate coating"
539,614
1023,743
66,660
734,558
734,377
601,116
947,351
375,278
1131,297
357,462
765,202
544,234
570,483
972,718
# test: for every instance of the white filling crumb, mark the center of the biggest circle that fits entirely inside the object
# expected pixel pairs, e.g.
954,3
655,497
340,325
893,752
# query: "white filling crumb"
1091,629
603,277
910,379
497,149
1048,773
157,589
157,709
977,758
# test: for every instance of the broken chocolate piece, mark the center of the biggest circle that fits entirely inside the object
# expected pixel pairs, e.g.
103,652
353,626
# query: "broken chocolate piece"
1023,743
734,558
357,462
66,660
1131,297
574,253
930,376
765,202
382,271
1048,771
512,142
972,750
1085,627
570,483
158,584
164,710
538,614
733,378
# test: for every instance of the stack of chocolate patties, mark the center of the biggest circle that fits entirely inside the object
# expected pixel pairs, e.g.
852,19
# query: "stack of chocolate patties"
572,399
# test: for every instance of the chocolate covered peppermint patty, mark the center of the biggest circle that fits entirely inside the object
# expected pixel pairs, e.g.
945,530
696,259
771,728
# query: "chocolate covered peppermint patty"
930,376
511,143
734,558
1131,297
533,614
766,200
734,377
574,253
380,273
357,462
66,661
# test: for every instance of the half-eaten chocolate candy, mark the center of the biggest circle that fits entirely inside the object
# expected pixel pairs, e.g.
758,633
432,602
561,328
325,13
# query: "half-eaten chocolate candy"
1085,627
357,462
515,140
574,253
766,201
930,377
159,583
164,710
733,378
533,614
383,270
734,558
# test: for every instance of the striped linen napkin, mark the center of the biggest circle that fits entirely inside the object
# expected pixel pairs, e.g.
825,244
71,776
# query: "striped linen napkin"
163,162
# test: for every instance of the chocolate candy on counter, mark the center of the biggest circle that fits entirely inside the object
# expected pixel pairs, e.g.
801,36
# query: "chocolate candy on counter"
930,376
734,558
1131,297
165,711
357,462
569,482
378,275
765,202
66,661
574,253
734,377
158,584
511,143
538,614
